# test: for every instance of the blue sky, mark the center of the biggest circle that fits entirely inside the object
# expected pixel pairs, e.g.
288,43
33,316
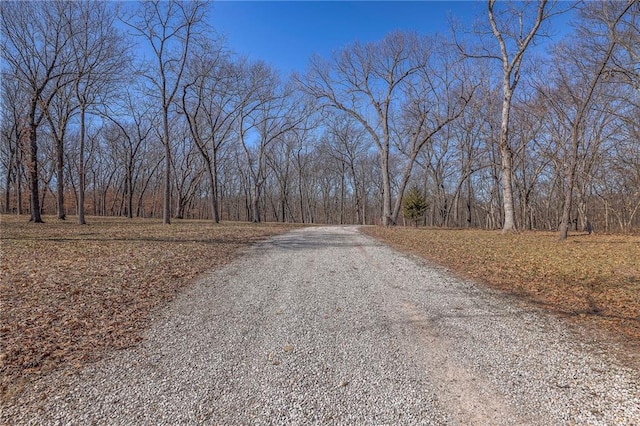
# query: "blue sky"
286,33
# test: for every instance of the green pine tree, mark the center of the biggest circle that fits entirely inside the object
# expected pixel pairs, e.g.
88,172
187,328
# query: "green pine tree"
414,205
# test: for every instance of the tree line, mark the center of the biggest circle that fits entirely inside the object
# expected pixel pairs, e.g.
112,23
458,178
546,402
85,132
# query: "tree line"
142,111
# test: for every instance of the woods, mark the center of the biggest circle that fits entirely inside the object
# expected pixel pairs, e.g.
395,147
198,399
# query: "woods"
141,110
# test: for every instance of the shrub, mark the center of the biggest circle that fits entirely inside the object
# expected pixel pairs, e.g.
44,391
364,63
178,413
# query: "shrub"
414,205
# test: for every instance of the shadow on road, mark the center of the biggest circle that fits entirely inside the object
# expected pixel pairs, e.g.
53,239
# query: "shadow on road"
316,240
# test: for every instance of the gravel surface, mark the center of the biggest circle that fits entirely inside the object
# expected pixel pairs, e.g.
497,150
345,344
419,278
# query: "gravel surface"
327,326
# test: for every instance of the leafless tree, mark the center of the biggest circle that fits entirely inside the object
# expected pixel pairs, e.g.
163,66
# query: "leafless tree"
169,28
99,57
434,100
514,29
188,170
210,104
530,138
583,65
133,120
58,115
365,82
36,51
13,109
348,144
625,62
267,111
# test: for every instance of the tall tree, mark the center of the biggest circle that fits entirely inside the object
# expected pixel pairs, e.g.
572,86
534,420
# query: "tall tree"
514,30
584,62
169,28
36,51
12,109
434,101
134,120
59,115
267,111
365,81
348,143
209,102
99,59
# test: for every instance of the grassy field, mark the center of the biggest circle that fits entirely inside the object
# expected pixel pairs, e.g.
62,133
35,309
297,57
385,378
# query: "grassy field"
593,279
69,292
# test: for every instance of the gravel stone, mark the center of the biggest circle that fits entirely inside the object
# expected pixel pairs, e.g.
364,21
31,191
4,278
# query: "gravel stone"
326,326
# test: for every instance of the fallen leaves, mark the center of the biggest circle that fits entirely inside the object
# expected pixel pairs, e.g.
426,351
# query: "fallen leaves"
69,292
595,278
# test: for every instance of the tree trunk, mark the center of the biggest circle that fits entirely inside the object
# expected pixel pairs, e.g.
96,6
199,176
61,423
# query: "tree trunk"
60,178
214,192
7,192
469,217
506,162
255,204
583,219
33,167
19,181
130,196
342,195
166,200
215,203
81,174
386,190
301,193
568,191
356,193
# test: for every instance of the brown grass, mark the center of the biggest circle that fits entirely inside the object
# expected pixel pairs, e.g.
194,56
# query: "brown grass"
70,292
591,278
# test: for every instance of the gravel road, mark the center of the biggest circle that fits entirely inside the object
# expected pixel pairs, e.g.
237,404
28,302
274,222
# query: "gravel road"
327,326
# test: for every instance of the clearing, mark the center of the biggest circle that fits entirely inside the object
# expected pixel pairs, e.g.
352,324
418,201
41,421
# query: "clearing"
324,325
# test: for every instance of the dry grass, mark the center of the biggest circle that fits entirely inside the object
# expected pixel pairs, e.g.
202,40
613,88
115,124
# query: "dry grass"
69,292
590,278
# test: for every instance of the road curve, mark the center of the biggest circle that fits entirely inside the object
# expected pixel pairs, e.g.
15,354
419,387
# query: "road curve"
326,326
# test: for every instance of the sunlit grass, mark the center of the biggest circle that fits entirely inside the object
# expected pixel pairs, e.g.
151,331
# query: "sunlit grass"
596,277
68,292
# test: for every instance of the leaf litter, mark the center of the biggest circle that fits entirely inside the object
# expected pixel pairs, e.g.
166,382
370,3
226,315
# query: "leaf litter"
593,279
68,293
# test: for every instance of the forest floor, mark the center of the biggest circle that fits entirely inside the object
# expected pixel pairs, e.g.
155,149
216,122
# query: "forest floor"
69,292
593,280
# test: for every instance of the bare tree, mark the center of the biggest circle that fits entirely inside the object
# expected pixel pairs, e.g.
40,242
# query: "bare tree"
625,62
515,27
188,172
349,145
434,101
169,27
99,58
365,81
13,110
134,121
210,104
531,136
584,63
267,111
58,115
35,49
302,159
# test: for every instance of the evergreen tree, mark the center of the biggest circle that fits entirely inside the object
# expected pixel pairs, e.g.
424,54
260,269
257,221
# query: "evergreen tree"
414,205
